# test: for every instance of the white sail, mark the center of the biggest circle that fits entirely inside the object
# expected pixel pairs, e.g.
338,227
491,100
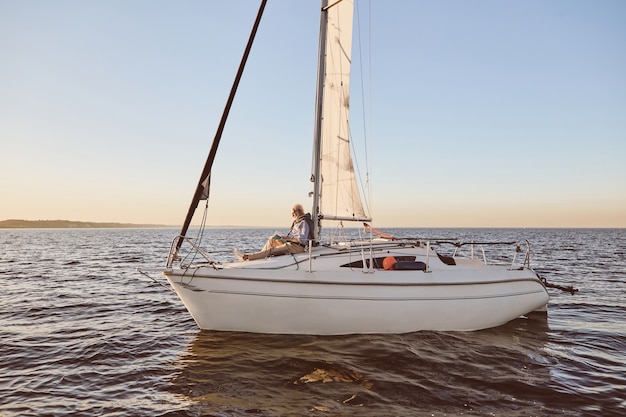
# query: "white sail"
339,192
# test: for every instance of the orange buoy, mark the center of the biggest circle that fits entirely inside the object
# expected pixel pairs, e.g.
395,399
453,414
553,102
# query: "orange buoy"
389,262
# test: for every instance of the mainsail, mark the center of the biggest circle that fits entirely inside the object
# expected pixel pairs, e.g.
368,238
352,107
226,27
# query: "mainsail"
336,190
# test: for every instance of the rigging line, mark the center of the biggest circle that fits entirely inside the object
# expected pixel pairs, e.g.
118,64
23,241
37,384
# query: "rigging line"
367,187
202,228
155,281
368,161
192,255
201,231
195,242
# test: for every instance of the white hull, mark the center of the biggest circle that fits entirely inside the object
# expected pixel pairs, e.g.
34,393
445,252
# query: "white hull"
281,295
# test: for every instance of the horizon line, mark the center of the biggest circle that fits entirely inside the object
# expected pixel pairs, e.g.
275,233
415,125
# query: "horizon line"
6,224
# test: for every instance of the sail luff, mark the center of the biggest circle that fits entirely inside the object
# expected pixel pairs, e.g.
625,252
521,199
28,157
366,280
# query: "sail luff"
317,134
202,189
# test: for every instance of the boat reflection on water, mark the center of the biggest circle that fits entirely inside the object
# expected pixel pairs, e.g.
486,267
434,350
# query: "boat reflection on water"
495,369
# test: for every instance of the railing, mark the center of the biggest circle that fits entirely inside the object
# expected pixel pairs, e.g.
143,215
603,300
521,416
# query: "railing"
518,249
174,254
472,251
363,245
480,247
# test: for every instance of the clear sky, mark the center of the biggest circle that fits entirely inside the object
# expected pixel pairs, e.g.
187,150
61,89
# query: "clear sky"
479,113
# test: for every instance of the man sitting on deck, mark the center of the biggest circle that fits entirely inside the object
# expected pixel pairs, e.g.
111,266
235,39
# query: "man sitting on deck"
294,242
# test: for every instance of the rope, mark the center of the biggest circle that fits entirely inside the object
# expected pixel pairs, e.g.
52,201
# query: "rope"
154,280
565,288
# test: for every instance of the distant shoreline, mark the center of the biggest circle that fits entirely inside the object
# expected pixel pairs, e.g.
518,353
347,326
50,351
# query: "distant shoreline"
69,224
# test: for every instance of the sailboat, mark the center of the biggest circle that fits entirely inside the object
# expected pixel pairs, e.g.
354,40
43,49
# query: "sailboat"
370,284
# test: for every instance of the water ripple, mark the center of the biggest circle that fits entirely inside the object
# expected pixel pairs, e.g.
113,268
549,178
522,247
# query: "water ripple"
82,334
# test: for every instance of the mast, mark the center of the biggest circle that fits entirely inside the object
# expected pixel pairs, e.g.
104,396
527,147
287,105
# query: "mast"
202,189
317,133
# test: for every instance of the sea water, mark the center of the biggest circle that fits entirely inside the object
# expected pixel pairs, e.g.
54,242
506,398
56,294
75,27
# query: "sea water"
82,333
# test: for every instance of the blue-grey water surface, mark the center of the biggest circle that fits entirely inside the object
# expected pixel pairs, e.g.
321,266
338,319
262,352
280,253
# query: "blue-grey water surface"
82,333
